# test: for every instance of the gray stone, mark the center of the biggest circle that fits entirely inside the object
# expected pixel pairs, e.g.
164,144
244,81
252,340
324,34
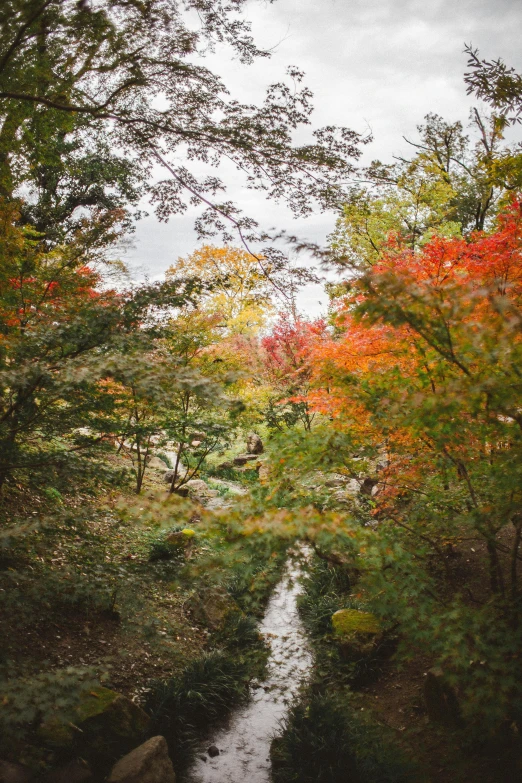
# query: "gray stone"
213,751
264,473
254,444
148,763
14,773
199,487
157,463
168,475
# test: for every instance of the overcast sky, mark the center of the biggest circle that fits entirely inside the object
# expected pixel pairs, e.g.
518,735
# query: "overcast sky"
377,65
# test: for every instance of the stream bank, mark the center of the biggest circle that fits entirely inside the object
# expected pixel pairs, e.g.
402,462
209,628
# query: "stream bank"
244,740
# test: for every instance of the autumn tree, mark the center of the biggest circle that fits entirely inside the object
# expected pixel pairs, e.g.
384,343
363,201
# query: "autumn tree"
239,293
424,371
61,334
287,366
454,184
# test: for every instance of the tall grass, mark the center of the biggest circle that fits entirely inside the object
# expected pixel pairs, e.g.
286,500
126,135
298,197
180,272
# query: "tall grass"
182,706
325,740
328,588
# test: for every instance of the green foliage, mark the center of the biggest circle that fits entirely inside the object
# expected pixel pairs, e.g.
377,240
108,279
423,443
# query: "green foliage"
340,658
161,549
451,186
476,644
252,566
326,589
29,701
325,740
240,632
204,692
61,128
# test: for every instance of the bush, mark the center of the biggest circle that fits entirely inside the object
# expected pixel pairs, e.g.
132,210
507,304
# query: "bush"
240,632
325,741
327,588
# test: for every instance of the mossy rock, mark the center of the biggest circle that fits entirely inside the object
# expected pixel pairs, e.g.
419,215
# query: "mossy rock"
359,634
181,538
104,722
350,621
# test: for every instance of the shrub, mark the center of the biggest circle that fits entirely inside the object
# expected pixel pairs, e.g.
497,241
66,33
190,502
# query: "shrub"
325,741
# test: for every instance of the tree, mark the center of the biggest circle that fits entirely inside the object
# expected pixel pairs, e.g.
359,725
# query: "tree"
424,372
61,335
287,366
497,84
240,293
452,186
112,88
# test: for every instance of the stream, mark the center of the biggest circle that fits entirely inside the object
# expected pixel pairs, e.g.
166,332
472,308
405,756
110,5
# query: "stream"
244,740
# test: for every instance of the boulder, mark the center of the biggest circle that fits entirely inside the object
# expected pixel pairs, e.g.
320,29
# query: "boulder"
264,473
157,463
227,465
105,722
359,633
14,773
198,488
148,763
180,539
254,444
169,474
348,621
441,700
242,459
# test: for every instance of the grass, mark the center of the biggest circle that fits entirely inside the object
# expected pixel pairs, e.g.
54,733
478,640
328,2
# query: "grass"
325,740
328,588
184,706
248,477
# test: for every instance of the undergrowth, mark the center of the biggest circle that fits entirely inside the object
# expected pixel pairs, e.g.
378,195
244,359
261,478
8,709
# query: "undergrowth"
183,707
328,588
325,740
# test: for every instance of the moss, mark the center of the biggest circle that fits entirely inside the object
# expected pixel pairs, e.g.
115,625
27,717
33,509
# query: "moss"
346,622
102,718
95,703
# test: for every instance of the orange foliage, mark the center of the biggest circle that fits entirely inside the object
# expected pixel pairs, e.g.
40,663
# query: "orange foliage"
427,361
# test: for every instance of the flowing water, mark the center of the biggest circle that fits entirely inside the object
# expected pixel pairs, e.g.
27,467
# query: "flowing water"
244,742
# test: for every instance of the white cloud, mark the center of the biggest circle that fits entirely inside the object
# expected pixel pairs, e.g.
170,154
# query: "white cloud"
382,64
